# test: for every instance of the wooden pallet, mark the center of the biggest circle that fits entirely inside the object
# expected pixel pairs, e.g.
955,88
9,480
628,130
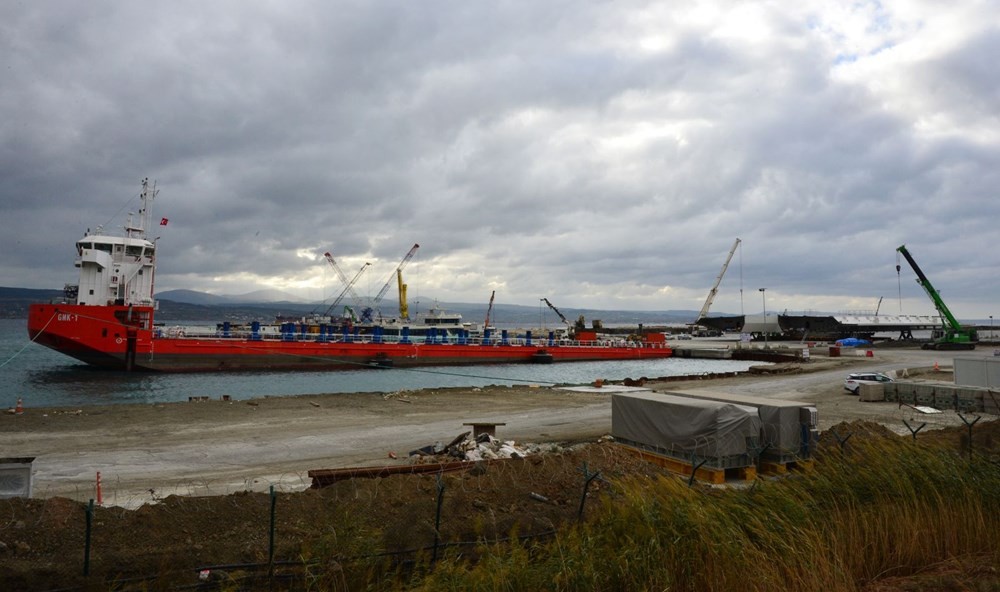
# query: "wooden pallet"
780,468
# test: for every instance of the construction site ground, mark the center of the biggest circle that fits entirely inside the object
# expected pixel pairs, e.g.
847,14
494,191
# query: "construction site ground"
185,485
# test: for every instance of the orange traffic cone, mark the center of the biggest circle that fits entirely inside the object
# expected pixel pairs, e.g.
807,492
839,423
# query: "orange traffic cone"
20,407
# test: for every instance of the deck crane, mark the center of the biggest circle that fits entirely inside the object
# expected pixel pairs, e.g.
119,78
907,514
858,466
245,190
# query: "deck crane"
489,310
348,285
952,335
368,313
561,316
718,280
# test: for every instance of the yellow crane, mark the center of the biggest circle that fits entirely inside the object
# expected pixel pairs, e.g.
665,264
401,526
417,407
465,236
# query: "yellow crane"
404,310
368,314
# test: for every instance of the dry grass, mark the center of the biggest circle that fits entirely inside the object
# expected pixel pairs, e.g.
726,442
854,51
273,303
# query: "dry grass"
888,508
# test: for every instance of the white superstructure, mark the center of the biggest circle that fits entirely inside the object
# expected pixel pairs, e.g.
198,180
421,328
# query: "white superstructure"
119,269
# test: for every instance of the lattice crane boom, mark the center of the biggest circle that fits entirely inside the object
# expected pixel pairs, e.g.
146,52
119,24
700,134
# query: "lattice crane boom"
718,280
368,312
348,284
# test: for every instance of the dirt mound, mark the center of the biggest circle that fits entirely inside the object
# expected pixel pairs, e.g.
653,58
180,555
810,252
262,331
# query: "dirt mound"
858,429
42,541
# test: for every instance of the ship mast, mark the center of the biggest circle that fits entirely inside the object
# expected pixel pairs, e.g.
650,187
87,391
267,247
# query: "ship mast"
145,212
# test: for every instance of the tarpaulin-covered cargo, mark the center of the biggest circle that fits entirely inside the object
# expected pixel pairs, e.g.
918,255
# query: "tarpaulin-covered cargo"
789,429
723,435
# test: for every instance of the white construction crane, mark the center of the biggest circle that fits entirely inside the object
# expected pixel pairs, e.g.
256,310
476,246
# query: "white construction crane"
718,280
348,284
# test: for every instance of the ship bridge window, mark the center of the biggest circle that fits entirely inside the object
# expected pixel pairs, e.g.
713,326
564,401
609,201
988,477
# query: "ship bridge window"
133,251
103,247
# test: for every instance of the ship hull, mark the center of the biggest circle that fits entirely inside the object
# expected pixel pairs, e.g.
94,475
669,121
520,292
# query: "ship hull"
123,338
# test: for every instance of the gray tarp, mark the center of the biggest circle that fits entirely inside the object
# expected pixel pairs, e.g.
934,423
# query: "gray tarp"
684,427
782,420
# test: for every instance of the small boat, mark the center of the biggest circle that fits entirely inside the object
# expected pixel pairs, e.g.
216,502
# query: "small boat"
106,320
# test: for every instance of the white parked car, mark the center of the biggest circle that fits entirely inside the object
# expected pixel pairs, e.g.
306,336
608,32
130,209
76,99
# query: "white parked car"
854,381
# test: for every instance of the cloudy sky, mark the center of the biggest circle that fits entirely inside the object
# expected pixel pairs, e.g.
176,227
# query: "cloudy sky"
601,154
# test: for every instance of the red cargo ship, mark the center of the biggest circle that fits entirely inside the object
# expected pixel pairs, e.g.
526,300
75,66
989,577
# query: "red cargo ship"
107,321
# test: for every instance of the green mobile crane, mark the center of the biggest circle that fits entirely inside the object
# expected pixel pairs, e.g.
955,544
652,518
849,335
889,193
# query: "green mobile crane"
951,335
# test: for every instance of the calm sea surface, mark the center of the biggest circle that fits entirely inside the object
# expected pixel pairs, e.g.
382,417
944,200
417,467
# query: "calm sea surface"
45,378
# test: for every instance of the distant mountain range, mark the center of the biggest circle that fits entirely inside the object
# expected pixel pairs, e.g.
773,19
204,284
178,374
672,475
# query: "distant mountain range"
264,305
256,297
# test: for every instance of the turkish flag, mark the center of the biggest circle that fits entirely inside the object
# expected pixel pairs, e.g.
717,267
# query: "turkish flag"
163,221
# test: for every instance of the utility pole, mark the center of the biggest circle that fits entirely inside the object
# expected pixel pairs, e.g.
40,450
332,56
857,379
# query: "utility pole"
764,302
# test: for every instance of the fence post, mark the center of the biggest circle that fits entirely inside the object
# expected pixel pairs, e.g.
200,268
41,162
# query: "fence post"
437,517
842,441
86,541
270,543
588,477
966,422
914,431
694,469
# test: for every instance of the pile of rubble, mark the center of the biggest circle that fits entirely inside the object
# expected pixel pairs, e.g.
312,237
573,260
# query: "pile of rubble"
483,447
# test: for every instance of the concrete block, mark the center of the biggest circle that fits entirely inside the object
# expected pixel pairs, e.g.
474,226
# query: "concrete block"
871,392
924,393
15,477
905,392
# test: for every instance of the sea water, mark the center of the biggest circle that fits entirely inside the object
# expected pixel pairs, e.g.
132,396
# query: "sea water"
45,378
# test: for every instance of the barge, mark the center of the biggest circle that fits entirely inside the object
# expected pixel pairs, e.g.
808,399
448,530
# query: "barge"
107,321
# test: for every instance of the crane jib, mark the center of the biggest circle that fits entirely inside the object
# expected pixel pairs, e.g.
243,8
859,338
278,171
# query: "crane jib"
955,333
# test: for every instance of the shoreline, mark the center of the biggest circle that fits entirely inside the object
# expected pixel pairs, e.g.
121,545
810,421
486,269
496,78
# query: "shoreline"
146,451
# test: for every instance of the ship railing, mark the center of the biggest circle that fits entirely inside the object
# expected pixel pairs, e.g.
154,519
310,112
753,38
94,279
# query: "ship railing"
239,333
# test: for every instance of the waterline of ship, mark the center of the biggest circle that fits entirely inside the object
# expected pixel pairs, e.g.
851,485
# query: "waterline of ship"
43,377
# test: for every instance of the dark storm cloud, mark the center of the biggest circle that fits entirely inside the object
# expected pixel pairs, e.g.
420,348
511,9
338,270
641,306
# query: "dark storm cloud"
606,155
